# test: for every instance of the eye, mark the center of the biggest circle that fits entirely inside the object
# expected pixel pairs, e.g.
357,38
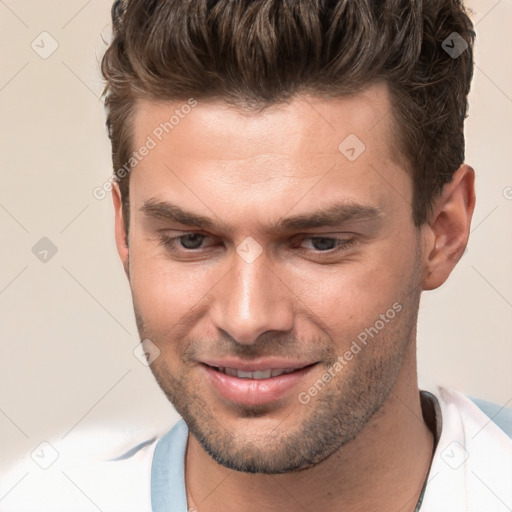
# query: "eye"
323,244
187,242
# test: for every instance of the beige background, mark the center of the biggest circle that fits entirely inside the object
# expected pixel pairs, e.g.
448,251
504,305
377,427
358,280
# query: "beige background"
67,331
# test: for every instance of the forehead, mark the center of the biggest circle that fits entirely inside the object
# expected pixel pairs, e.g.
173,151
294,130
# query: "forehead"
305,124
310,149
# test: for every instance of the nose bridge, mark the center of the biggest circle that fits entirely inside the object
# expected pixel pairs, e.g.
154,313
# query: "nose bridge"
252,300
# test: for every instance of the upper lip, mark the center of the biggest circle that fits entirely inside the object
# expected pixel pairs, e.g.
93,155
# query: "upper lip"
271,363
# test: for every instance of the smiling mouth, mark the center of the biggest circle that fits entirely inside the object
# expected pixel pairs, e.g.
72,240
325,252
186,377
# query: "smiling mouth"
257,383
259,374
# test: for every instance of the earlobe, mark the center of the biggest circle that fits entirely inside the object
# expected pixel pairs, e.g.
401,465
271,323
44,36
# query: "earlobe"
447,232
120,231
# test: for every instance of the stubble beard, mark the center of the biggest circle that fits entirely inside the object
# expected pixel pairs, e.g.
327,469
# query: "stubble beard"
304,438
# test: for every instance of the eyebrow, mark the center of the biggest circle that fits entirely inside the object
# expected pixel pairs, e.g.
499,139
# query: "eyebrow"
332,215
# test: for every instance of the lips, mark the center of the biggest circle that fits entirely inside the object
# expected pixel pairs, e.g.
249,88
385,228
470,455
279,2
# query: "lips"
259,364
259,374
255,383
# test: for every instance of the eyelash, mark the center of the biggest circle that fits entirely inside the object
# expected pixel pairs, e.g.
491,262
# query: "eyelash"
343,244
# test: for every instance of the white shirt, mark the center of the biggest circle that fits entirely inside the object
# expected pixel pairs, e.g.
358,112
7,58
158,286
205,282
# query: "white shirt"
471,470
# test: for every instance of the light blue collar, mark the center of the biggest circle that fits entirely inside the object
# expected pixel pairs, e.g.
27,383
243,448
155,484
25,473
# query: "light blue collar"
168,492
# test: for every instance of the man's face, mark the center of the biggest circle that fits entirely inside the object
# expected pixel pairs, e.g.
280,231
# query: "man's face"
252,292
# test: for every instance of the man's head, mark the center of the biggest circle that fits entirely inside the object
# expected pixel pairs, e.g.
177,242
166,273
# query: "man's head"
300,185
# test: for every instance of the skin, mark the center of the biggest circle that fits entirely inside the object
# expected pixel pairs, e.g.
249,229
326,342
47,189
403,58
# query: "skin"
361,440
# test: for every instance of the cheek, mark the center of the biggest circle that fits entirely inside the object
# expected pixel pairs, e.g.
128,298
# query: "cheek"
165,291
351,297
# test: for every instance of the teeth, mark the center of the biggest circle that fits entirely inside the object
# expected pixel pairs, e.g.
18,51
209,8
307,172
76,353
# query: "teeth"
230,371
260,374
278,371
244,375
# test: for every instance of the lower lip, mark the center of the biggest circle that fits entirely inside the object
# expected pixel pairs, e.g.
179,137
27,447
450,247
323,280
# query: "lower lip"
254,391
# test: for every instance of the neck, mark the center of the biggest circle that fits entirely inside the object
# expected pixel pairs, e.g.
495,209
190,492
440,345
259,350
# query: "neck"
382,469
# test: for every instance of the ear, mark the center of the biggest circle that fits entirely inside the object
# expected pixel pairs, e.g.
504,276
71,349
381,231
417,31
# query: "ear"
120,231
447,231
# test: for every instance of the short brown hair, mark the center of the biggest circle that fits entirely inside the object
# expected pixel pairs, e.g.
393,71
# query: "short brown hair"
263,52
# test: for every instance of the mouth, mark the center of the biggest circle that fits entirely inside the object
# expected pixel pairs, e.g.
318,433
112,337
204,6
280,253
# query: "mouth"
257,386
258,375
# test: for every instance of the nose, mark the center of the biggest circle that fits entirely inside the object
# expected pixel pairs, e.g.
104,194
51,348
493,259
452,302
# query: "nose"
252,299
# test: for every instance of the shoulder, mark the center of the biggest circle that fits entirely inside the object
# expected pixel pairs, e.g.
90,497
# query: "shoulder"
497,418
500,415
471,469
102,469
